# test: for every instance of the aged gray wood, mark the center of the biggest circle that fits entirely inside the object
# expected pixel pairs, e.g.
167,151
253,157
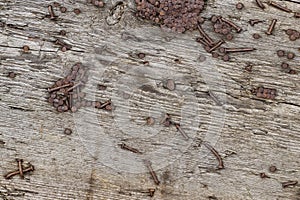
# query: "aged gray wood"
250,134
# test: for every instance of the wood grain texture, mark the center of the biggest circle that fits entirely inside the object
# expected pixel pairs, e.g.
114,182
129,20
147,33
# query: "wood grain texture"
212,101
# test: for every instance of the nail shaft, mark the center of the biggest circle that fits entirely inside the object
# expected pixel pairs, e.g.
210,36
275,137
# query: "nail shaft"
202,41
216,46
260,4
236,50
105,104
57,88
20,161
11,174
74,86
233,25
153,174
166,117
221,165
280,7
126,147
51,12
271,27
289,183
252,22
181,131
202,32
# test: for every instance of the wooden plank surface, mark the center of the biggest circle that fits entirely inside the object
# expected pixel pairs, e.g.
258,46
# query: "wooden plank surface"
212,101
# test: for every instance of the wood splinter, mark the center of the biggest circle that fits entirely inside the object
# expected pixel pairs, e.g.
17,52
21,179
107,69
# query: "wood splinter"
221,165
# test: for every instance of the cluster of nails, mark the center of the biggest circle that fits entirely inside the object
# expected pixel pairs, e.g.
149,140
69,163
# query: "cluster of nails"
21,171
265,93
285,66
62,9
177,15
66,94
222,27
293,34
96,3
273,4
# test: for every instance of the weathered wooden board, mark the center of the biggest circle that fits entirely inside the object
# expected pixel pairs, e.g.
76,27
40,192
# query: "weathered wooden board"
250,134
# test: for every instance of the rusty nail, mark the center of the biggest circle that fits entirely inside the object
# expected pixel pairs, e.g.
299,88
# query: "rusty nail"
236,27
252,22
272,168
126,147
105,104
11,174
236,50
11,75
289,183
26,48
153,174
280,7
221,165
271,27
263,175
216,46
20,161
51,12
202,32
57,88
74,86
181,131
260,4
67,131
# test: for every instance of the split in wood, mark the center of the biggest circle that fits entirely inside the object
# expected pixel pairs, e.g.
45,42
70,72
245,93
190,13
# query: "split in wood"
20,171
153,174
221,165
126,147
